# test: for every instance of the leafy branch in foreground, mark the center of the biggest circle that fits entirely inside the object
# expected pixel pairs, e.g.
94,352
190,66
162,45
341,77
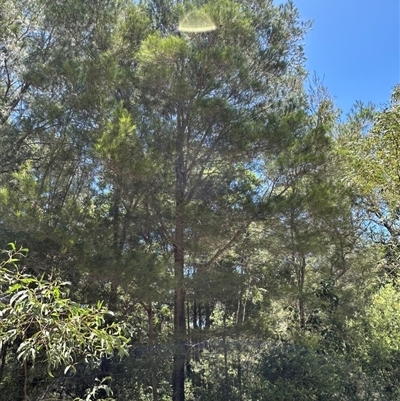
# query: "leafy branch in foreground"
46,326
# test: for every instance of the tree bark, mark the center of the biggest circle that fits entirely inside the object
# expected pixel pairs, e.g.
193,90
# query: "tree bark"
195,317
154,382
208,316
178,372
3,355
301,278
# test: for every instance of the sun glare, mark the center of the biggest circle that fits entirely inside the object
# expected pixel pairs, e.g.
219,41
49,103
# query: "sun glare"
196,21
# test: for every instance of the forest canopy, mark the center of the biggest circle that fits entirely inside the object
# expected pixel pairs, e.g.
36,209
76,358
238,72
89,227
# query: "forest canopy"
184,216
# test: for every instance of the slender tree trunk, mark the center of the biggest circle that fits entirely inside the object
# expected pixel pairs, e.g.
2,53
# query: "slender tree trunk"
154,382
195,325
301,278
299,264
178,373
105,364
188,318
3,355
239,309
238,321
226,377
200,316
190,341
116,218
208,316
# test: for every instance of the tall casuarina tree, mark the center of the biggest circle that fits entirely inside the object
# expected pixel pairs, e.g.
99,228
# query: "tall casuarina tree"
208,106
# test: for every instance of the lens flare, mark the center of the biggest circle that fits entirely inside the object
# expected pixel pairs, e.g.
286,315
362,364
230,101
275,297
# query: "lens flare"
196,21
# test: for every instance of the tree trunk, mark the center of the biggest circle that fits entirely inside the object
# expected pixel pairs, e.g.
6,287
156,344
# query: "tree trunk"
208,316
178,373
154,383
226,377
3,355
195,317
301,278
105,364
200,316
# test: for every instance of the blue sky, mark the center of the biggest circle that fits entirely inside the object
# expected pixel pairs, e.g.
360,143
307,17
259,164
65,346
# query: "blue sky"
354,45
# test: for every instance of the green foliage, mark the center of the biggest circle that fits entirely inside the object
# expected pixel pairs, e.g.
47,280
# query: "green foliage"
294,373
191,183
100,387
47,327
383,317
375,338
